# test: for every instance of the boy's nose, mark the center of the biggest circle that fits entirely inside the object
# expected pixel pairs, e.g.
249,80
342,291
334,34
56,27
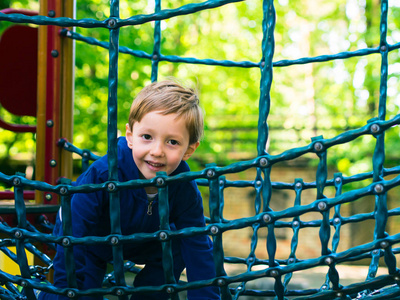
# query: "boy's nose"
157,150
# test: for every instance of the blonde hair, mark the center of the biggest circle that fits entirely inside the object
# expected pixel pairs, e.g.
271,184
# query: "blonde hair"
169,97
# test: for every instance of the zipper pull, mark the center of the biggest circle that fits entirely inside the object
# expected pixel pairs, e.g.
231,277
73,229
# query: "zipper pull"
150,208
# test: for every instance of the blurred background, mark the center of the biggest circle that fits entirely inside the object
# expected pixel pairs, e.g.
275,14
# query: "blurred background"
306,100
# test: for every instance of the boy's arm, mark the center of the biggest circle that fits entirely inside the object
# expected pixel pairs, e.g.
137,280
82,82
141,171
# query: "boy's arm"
85,213
197,254
197,251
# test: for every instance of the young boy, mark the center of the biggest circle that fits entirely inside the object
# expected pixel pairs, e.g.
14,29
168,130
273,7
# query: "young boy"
164,129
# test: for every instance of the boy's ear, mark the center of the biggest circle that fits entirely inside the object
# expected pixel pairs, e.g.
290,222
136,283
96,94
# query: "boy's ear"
129,136
190,150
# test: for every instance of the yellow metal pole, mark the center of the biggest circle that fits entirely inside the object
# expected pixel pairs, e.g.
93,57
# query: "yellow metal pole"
55,98
41,101
67,92
55,102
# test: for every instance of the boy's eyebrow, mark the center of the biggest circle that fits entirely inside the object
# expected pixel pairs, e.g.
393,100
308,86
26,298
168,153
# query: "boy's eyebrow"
175,135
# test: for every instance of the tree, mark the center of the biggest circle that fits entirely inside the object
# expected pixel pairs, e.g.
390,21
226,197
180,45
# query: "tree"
307,100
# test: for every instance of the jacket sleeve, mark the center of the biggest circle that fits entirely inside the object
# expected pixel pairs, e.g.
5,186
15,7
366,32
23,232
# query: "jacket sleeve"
197,251
85,213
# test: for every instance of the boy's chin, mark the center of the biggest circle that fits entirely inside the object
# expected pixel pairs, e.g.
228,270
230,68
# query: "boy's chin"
148,176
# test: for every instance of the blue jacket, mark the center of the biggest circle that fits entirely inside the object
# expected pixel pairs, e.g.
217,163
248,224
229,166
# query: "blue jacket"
91,217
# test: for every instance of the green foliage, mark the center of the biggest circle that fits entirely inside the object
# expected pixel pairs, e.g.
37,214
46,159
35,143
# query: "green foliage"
306,100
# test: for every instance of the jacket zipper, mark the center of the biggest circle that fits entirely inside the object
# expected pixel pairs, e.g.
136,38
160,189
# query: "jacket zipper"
150,208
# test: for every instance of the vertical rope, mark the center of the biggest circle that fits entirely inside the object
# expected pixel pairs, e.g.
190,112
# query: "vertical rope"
19,241
381,213
268,48
218,249
66,214
337,223
221,187
112,145
298,188
384,61
321,176
157,44
271,244
325,229
112,91
338,181
251,259
167,258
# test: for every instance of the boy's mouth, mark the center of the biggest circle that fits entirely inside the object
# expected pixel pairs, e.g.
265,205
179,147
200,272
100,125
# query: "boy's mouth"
154,164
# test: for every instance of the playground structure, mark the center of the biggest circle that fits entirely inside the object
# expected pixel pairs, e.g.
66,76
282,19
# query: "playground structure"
54,161
47,64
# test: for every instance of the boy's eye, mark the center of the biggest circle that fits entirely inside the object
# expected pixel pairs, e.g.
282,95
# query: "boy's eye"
173,142
146,136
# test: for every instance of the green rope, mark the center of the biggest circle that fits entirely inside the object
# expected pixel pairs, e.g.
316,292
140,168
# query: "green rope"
232,287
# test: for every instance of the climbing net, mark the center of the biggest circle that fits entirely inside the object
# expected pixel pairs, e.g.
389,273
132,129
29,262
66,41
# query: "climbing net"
279,270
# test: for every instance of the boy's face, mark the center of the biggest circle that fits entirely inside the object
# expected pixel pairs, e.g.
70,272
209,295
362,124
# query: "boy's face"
159,143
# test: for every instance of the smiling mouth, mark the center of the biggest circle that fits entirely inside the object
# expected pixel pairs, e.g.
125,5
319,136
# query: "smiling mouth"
155,165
